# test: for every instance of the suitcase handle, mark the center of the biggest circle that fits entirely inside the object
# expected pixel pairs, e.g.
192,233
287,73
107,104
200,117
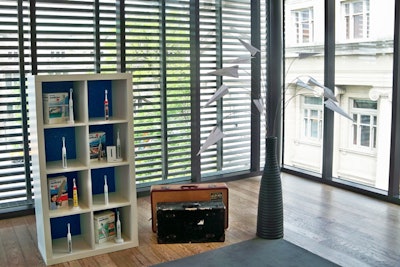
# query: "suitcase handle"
189,187
191,205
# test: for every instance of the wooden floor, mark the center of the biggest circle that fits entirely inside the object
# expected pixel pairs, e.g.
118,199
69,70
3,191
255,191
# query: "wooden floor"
344,227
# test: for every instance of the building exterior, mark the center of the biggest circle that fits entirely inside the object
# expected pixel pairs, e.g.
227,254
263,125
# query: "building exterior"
363,88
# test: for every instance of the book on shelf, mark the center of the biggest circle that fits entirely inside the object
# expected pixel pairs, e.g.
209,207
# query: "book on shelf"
58,192
104,226
97,145
55,108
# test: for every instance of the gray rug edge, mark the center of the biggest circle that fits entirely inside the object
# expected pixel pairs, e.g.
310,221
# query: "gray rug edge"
253,253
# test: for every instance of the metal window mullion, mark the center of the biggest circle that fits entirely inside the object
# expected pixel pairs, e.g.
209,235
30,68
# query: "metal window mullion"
163,91
195,89
394,166
96,31
24,109
255,86
219,80
329,77
121,41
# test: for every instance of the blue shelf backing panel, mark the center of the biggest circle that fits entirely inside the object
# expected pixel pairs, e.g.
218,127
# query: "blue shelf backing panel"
59,226
53,143
96,94
98,180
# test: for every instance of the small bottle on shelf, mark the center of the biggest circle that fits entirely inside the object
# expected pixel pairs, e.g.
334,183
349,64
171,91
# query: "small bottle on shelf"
75,194
71,107
119,156
64,154
106,114
118,238
105,190
69,239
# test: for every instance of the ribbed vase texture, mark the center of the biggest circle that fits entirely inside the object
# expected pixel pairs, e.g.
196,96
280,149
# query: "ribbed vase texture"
270,204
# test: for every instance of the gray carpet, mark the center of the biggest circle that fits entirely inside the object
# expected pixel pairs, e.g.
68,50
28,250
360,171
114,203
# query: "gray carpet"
253,253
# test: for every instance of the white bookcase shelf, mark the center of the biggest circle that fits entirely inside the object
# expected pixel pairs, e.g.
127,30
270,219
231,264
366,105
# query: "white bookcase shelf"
88,99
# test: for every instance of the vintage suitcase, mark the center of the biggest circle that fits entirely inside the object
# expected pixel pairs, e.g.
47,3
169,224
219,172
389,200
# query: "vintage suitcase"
190,222
188,193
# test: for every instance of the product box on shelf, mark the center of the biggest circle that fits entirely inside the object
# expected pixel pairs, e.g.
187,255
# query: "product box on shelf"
104,226
55,107
97,145
58,192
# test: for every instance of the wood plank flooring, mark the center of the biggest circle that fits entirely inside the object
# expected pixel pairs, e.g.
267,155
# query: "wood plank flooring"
344,227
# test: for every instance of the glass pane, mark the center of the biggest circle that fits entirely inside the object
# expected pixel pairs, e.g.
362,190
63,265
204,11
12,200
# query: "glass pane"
365,119
304,59
365,136
314,128
358,26
364,76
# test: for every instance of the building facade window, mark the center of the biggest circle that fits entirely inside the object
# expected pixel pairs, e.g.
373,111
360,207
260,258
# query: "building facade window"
356,19
364,127
304,25
312,117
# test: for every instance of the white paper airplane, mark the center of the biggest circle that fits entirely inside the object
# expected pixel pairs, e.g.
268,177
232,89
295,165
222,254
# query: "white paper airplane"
329,103
215,135
240,59
249,47
222,90
228,71
302,84
328,93
259,104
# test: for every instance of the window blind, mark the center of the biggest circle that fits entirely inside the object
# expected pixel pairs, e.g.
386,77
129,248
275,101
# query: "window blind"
158,55
222,24
14,184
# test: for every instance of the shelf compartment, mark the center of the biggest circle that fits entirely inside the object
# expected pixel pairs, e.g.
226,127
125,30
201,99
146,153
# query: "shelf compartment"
81,232
125,213
118,187
117,95
84,199
79,97
75,143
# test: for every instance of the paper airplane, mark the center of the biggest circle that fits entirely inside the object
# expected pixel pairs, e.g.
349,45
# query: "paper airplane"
330,104
328,93
215,135
240,59
228,71
249,47
302,84
259,104
222,90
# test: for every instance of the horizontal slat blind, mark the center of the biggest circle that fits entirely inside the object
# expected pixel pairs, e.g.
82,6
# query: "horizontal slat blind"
157,52
222,24
108,36
65,36
12,170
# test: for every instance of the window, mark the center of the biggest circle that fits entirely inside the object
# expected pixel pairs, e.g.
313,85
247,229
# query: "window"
154,41
304,25
312,112
365,122
356,19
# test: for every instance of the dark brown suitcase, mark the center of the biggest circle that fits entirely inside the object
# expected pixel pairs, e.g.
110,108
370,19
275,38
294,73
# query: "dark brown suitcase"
188,193
190,222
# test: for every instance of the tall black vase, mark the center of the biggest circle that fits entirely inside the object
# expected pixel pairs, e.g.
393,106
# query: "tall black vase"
270,203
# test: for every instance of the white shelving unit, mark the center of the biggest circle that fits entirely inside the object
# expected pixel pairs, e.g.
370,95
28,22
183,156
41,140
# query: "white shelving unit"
88,98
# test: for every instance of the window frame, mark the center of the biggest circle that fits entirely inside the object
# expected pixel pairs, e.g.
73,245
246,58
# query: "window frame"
308,119
357,113
299,22
348,20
